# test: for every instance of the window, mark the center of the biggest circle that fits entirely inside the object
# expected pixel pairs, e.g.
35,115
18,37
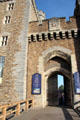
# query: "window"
10,6
3,40
2,60
7,19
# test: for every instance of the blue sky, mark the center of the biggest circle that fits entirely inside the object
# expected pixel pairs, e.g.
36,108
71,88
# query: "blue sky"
60,80
56,8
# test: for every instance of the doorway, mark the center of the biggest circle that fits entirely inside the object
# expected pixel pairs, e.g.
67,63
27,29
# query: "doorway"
60,79
59,90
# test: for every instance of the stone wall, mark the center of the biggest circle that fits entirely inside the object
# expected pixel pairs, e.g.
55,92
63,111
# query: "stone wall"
36,54
29,47
13,85
33,12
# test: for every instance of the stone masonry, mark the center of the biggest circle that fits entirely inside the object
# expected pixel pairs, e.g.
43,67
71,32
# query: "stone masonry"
34,44
13,85
55,37
14,19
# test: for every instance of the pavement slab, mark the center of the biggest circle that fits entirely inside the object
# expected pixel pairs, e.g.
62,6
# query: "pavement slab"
48,113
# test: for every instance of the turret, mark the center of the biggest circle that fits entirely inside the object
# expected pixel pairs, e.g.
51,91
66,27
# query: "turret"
77,9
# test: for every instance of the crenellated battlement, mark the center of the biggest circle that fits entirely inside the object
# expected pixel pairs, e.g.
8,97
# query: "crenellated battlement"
54,28
66,34
52,25
62,19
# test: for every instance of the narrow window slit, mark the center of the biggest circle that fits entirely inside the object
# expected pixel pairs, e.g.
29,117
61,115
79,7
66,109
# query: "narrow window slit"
7,19
4,40
10,6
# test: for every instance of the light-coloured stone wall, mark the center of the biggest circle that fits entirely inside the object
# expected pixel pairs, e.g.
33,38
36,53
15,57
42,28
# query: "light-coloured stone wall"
20,71
33,12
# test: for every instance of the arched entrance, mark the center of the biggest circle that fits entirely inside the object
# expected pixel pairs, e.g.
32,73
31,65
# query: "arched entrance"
54,61
54,95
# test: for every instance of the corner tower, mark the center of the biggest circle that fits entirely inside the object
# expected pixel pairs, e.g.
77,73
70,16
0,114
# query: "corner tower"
77,9
14,19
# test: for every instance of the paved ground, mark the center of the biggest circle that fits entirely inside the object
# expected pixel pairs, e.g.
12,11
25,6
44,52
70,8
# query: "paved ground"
49,113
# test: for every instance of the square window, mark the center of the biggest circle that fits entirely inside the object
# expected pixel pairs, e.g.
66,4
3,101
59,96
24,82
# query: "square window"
10,6
4,40
7,19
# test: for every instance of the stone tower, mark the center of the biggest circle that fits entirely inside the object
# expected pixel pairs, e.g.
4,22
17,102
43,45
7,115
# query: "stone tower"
14,19
77,9
15,16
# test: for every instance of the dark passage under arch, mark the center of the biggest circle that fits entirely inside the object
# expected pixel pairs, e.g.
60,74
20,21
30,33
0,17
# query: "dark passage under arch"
53,92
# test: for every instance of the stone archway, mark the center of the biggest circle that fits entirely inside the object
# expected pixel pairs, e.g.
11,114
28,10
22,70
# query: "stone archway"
52,88
58,63
67,83
56,59
51,53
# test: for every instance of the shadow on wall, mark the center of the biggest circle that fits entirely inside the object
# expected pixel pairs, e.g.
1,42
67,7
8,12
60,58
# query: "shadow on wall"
77,38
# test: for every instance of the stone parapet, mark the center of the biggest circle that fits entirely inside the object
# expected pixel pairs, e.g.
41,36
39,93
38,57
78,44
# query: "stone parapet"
57,35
